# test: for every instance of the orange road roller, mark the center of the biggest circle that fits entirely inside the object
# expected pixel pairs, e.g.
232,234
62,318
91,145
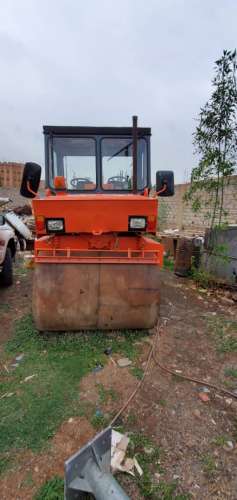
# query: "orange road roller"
95,266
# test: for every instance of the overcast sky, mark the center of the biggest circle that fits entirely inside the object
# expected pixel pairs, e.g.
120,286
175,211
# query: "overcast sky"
98,62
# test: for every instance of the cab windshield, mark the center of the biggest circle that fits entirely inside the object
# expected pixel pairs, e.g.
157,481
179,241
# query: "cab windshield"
89,164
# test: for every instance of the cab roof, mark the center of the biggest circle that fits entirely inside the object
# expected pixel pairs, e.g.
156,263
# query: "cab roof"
60,130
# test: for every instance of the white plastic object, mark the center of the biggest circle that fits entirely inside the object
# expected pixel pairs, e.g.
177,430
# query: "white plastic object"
18,225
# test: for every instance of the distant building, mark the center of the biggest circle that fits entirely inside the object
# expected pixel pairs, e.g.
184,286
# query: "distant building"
11,174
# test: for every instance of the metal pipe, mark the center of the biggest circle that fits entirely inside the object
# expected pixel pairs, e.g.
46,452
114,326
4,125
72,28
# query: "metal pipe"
103,485
134,152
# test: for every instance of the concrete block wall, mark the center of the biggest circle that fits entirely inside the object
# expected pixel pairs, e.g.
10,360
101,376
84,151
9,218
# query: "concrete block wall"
10,174
174,213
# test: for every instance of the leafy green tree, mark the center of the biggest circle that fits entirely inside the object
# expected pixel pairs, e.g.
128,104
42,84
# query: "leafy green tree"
215,141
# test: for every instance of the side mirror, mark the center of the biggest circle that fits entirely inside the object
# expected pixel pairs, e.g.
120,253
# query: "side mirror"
165,182
2,220
30,180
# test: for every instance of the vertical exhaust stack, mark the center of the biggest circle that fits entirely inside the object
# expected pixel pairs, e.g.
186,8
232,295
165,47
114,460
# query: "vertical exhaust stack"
134,149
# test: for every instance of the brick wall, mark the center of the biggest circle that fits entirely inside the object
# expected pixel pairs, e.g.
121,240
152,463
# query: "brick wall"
174,213
10,174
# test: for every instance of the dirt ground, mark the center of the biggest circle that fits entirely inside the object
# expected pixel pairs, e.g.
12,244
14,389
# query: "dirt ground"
193,434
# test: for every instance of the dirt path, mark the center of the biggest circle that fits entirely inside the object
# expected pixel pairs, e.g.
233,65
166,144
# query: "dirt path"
15,301
198,438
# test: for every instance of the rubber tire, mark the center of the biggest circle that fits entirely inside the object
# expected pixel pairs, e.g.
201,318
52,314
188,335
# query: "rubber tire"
6,275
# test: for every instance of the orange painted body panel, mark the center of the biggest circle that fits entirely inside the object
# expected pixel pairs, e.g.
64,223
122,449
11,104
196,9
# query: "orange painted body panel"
95,213
106,248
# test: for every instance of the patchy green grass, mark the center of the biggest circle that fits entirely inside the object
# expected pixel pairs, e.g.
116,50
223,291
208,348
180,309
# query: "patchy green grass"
168,263
208,464
220,440
106,394
231,372
28,481
137,372
224,332
51,490
167,491
162,402
177,378
99,422
131,419
4,307
202,278
229,384
36,408
20,271
150,464
5,462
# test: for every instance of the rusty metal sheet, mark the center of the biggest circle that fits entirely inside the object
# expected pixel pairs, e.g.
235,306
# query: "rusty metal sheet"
95,296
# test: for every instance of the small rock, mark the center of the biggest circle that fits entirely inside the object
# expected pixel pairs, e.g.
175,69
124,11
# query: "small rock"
189,443
19,358
197,413
36,469
204,397
163,442
175,477
157,477
123,362
228,446
70,420
234,405
26,379
149,451
228,401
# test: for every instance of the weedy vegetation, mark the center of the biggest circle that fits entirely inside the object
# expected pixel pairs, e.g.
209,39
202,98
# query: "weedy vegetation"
51,490
208,464
231,372
220,440
224,333
137,372
34,408
168,263
149,458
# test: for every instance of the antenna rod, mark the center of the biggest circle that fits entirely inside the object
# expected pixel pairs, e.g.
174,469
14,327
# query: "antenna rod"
134,152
